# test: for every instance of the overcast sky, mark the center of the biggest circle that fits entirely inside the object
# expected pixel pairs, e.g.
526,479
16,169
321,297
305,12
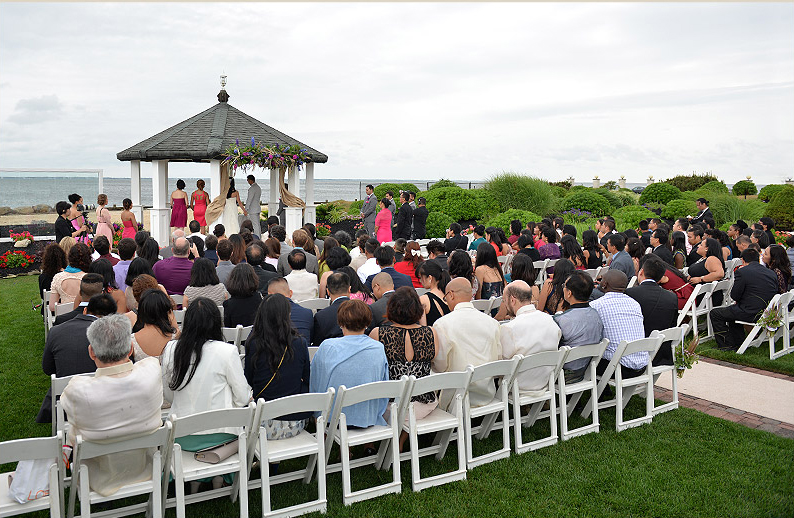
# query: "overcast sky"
414,90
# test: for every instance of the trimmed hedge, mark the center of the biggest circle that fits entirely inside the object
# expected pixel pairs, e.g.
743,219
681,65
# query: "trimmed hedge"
744,188
457,203
517,191
587,200
503,220
780,208
437,225
768,191
610,196
627,198
630,217
486,202
715,186
395,188
679,209
691,182
355,207
442,183
660,192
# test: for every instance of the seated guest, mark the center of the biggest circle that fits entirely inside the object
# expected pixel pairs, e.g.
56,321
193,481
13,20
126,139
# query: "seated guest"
754,286
254,255
673,280
466,337
238,249
167,251
174,272
155,324
277,363
776,260
551,298
526,246
659,306
220,232
204,282
302,318
65,285
384,256
455,240
325,321
410,262
760,237
329,243
660,246
370,266
351,359
435,281
437,253
92,404
244,297
225,266
710,267
138,266
622,318
53,261
478,232
66,349
280,233
678,247
742,243
195,230
636,251
248,225
548,248
127,249
91,284
694,237
645,233
571,250
303,283
515,231
300,240
140,285
523,270
358,256
315,245
488,271
102,250
790,248
211,244
531,331
150,251
460,265
579,324
605,229
357,289
336,257
272,252
592,249
620,259
399,250
344,240
569,230
382,289
197,247
103,268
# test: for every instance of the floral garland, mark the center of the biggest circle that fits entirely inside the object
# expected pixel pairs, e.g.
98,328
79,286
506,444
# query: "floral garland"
260,155
12,259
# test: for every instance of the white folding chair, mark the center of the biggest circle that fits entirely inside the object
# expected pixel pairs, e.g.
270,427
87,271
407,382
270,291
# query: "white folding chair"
593,272
312,352
540,271
759,334
502,259
501,371
302,445
496,303
178,299
575,390
724,287
185,468
483,305
179,314
45,300
421,291
56,389
60,309
237,335
315,304
632,282
536,399
388,435
693,309
625,388
675,336
45,448
161,440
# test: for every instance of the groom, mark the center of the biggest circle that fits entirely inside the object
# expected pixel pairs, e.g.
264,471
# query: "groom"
252,209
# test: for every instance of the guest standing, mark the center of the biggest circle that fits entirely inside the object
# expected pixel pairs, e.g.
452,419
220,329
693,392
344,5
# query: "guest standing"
104,224
198,202
179,206
128,220
420,219
368,210
383,222
78,220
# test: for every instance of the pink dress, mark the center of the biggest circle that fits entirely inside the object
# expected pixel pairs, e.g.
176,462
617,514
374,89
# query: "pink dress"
178,212
383,226
200,200
77,223
129,230
104,225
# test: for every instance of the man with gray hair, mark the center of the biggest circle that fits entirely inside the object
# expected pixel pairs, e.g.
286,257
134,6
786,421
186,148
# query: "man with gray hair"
166,251
531,331
174,273
101,407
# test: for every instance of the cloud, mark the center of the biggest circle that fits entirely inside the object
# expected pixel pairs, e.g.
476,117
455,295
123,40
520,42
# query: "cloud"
37,110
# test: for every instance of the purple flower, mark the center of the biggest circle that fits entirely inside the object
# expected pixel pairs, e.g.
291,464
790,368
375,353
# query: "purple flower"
237,141
252,142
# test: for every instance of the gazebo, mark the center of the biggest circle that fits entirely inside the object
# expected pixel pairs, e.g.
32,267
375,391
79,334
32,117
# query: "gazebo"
203,138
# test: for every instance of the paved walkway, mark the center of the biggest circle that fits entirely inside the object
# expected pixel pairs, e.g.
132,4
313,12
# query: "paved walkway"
752,397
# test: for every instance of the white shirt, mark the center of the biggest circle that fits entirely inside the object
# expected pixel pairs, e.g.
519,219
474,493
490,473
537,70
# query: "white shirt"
355,252
303,284
95,256
467,337
198,234
369,267
532,331
219,382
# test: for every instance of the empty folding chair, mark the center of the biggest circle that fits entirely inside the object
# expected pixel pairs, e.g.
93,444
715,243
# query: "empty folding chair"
43,448
315,304
758,334
553,362
694,309
675,336
632,282
589,383
302,445
237,335
501,371
540,270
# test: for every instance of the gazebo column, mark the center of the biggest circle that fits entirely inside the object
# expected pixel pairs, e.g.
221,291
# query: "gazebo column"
215,179
135,189
272,201
310,215
160,214
294,215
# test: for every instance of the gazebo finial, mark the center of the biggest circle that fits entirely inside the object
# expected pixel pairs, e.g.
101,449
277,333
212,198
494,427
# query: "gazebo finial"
222,95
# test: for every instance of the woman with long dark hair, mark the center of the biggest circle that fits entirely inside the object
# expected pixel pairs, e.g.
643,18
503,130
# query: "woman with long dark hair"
492,237
490,279
273,251
230,221
460,265
434,280
776,259
591,249
238,249
636,250
138,266
328,244
710,267
204,282
523,270
277,362
411,261
358,291
155,325
150,251
335,258
551,299
573,252
515,231
53,261
678,244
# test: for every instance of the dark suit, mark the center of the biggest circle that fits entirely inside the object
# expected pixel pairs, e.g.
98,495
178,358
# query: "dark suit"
456,243
265,276
754,285
65,354
646,238
659,312
700,217
420,222
60,319
284,268
402,222
399,279
693,256
325,323
212,255
665,254
303,320
378,309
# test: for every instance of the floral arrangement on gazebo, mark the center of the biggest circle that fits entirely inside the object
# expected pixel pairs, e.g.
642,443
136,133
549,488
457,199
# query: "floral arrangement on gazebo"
260,155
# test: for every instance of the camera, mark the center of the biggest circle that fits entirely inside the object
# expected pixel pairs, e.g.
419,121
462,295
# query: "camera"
85,208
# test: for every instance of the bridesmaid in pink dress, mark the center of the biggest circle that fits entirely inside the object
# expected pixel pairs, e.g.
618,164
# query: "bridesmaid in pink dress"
383,222
128,220
179,206
77,218
104,224
198,202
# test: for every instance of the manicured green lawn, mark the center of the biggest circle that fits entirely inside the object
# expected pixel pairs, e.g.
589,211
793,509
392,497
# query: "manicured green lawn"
757,357
685,463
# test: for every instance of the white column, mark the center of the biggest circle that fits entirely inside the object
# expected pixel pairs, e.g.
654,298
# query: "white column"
135,189
215,179
622,182
272,203
596,183
160,215
310,214
294,181
650,180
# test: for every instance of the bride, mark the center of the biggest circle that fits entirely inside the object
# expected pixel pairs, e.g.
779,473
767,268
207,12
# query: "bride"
230,221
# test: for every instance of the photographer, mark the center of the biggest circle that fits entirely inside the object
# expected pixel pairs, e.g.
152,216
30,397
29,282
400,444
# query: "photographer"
63,225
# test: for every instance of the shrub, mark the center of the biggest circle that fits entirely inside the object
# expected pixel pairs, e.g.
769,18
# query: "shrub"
694,195
691,182
654,207
442,183
744,188
355,207
587,201
780,208
457,203
560,192
768,191
714,186
395,188
580,188
437,225
627,198
486,203
727,208
517,191
324,209
630,217
679,209
611,185
610,196
335,215
503,220
660,192
565,184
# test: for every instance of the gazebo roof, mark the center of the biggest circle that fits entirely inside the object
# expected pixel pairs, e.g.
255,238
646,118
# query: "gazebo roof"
205,136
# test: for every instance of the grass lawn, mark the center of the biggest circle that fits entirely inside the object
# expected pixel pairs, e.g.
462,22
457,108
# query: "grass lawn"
685,463
757,357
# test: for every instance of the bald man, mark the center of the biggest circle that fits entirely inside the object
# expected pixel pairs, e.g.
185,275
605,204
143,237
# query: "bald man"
466,337
166,251
382,289
531,331
174,272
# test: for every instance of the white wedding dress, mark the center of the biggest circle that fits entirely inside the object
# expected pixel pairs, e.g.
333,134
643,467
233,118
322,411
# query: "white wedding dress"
229,220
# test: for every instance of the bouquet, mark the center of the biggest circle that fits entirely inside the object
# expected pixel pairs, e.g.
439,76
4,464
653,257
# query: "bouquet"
687,357
771,320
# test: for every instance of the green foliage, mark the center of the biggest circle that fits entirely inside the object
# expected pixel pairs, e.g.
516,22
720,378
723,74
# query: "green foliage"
612,185
336,214
486,203
264,215
679,209
610,196
437,224
767,191
517,191
442,183
714,186
627,197
323,210
503,220
653,206
727,208
459,204
744,188
565,184
660,192
395,188
691,182
589,201
630,217
561,192
693,195
355,207
781,208
580,188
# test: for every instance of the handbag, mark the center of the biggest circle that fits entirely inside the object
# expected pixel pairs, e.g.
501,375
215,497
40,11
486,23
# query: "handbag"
31,480
216,454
